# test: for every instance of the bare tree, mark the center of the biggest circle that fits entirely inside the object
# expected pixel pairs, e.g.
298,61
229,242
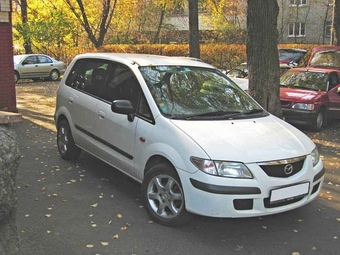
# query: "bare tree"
262,54
96,32
194,46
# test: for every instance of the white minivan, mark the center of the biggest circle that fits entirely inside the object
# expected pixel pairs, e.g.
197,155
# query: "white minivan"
196,142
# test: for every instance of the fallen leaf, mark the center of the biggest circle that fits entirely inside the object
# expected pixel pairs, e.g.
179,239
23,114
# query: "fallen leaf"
94,205
264,227
116,236
89,246
296,253
105,243
43,188
48,215
335,238
36,199
119,216
48,231
93,225
296,230
299,220
27,215
123,228
110,222
314,248
55,195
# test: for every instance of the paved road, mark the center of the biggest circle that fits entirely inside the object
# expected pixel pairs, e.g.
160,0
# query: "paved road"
86,207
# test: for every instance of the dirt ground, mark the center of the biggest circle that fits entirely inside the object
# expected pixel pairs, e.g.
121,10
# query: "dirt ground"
36,101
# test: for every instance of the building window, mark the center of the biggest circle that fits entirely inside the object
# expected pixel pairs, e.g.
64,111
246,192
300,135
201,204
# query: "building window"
296,29
328,29
297,2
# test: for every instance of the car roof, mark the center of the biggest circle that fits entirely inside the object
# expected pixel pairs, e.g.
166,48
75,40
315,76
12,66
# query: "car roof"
325,48
316,70
147,59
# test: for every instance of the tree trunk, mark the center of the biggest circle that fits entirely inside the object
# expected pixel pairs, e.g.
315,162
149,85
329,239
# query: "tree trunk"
262,54
26,35
9,158
194,45
336,22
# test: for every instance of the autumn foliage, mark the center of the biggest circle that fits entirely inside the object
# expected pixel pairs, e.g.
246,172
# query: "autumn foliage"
223,56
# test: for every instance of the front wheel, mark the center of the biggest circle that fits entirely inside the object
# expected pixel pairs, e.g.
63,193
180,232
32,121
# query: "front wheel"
66,146
319,121
16,76
164,197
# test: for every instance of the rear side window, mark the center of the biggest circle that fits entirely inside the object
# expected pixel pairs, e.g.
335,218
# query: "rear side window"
88,75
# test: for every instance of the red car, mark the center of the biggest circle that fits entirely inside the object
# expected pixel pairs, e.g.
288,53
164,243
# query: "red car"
325,57
310,96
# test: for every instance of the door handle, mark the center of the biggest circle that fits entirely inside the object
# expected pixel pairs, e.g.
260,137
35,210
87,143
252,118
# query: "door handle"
101,114
70,100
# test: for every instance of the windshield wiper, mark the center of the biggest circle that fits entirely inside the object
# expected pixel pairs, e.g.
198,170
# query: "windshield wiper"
221,114
212,115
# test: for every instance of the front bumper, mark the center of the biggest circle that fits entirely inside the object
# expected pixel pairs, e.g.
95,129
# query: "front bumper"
299,117
213,196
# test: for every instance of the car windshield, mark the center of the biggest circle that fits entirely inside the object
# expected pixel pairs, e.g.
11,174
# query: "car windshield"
304,80
17,58
198,93
330,58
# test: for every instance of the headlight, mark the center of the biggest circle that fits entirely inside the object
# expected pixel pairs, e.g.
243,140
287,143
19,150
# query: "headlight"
302,106
315,156
222,168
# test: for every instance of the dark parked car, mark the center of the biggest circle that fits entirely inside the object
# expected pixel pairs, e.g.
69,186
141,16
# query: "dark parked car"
37,66
310,96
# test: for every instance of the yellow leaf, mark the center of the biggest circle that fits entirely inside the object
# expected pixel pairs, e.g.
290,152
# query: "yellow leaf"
110,222
119,216
94,205
55,195
115,236
48,231
123,228
94,225
105,243
48,215
89,246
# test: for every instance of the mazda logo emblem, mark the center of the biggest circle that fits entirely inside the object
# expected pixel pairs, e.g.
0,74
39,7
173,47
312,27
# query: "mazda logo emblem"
288,169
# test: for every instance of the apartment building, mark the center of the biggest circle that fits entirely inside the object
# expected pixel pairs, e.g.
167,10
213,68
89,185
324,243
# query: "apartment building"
299,21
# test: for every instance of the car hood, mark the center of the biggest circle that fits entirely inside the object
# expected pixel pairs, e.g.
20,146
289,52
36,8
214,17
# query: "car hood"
247,141
299,95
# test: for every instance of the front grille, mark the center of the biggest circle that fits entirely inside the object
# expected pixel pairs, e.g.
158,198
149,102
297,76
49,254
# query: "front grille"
283,168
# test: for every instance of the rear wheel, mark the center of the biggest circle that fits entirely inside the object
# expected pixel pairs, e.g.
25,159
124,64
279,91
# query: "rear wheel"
319,121
164,197
66,146
54,75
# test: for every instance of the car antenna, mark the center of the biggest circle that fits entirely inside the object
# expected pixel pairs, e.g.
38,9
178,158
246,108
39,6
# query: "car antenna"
133,62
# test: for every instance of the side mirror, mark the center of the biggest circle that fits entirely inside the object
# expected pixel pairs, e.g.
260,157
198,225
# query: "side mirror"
123,107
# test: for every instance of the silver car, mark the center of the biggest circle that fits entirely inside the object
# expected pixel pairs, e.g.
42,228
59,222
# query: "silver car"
37,66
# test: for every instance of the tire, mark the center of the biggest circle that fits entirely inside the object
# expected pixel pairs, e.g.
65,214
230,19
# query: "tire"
54,75
163,196
16,76
319,121
66,146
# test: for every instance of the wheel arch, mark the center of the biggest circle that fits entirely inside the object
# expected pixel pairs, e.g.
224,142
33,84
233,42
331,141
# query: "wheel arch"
155,160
